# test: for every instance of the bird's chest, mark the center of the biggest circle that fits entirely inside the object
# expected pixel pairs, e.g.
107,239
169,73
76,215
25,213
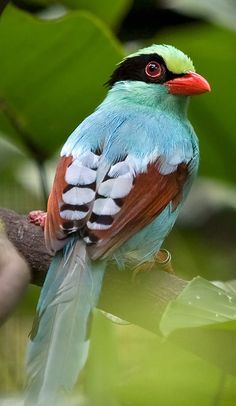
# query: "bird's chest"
146,135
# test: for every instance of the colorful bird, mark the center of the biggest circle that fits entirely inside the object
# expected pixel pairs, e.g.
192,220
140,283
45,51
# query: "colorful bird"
119,186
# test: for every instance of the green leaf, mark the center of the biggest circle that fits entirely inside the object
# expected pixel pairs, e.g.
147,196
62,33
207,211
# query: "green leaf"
9,156
203,320
111,13
200,304
100,382
51,76
157,372
21,183
212,115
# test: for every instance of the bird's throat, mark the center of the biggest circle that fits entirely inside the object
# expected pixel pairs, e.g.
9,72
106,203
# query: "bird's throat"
147,95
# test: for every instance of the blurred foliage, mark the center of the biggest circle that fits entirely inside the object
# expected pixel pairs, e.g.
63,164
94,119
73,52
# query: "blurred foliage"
109,12
203,317
220,11
51,77
34,97
201,303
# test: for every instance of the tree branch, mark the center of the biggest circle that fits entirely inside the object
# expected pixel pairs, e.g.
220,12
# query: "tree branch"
141,302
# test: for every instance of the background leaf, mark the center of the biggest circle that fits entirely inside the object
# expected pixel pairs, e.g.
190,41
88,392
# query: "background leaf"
110,12
200,304
61,64
203,320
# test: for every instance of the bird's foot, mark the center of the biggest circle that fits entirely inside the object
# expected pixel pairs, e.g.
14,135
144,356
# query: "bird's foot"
161,258
37,217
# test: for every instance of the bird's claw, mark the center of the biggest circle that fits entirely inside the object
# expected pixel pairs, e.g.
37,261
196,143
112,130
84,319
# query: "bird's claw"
161,258
37,217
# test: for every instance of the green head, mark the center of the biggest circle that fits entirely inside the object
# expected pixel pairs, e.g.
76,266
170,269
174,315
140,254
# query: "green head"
175,60
163,66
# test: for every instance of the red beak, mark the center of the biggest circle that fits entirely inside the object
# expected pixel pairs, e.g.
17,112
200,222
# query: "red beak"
189,84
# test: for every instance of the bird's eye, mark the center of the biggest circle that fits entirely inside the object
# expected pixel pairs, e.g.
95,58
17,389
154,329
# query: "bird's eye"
153,69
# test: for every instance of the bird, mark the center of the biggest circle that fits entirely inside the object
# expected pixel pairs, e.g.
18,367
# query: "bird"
120,183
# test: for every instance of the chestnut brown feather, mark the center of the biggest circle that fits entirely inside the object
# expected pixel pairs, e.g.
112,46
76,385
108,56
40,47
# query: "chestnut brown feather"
150,195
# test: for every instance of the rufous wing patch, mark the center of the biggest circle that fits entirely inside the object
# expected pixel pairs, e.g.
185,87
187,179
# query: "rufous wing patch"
151,193
107,213
71,198
53,231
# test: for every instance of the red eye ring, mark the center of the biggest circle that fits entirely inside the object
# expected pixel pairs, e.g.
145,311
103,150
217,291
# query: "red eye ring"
153,69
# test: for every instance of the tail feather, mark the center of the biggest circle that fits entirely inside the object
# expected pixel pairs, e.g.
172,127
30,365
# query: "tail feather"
59,346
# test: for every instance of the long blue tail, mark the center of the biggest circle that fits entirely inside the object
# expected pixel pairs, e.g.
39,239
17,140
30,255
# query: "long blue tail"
59,340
